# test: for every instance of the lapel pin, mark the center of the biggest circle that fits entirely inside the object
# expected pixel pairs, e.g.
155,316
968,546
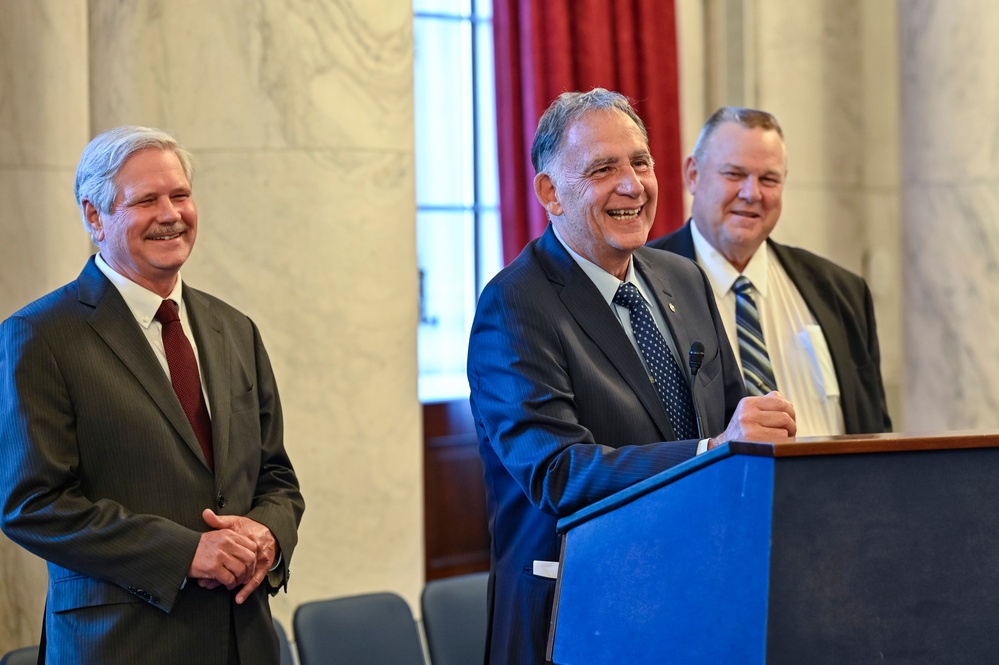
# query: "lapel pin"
672,308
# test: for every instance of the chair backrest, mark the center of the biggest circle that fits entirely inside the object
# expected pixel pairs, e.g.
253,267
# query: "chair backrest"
454,619
370,629
285,648
22,656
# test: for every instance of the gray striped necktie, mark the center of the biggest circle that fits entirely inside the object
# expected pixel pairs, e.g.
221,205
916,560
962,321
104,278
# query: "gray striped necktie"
756,367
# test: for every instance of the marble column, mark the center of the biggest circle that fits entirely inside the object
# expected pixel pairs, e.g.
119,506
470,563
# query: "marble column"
43,126
300,117
950,177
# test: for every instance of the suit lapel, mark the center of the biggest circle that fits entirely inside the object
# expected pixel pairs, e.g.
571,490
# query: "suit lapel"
215,364
593,315
673,315
114,322
664,298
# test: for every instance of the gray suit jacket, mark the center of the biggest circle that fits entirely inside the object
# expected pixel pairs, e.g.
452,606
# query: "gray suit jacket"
102,475
842,304
566,414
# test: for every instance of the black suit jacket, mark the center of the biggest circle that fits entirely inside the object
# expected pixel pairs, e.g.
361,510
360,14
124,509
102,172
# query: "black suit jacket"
841,303
101,475
566,414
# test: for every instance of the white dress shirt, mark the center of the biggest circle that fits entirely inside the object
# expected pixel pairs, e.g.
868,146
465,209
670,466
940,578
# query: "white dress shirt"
798,351
143,303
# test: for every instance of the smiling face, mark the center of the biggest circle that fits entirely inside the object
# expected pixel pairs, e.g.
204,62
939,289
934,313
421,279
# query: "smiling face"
601,191
153,222
737,186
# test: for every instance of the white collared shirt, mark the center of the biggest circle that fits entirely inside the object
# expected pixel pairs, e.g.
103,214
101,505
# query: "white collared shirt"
143,304
798,351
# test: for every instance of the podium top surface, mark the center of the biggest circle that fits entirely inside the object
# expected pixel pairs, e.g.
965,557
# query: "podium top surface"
893,442
869,443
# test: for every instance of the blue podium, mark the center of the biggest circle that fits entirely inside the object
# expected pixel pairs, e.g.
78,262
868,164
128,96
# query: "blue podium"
856,549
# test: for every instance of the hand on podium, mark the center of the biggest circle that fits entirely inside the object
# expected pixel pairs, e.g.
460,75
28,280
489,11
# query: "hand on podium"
769,419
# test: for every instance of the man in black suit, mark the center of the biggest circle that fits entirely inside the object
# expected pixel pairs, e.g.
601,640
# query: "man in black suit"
817,319
156,485
559,369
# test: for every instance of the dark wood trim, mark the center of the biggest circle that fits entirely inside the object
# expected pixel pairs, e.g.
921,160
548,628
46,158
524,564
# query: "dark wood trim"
456,533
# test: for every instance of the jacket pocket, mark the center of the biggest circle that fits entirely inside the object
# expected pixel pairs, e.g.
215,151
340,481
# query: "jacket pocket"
72,593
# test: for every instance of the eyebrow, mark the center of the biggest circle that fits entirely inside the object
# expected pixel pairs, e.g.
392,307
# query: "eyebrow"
738,167
605,161
597,163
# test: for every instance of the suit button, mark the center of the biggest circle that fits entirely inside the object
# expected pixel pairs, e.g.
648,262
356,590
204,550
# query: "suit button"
221,501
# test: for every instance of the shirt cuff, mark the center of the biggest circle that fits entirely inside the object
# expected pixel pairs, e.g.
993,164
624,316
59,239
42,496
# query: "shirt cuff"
702,446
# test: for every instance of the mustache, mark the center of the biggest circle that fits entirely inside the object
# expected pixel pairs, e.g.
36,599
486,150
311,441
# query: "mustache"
173,229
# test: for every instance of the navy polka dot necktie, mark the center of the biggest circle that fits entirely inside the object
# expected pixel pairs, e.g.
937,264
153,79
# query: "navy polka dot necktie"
666,374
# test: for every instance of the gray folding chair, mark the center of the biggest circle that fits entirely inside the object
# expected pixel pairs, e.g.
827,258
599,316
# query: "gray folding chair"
370,629
454,619
285,648
22,656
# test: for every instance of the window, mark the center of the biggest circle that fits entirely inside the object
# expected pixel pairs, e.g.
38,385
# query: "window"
457,192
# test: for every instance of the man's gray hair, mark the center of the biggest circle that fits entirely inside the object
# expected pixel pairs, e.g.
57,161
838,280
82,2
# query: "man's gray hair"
748,118
565,110
102,159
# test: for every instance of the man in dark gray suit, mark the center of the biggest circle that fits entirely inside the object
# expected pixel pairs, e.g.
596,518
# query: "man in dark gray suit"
166,516
560,381
817,319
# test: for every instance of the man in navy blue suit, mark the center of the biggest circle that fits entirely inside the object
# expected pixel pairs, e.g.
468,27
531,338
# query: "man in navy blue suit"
560,385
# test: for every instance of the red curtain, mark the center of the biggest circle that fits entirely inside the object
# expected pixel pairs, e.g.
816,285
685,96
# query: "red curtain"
546,47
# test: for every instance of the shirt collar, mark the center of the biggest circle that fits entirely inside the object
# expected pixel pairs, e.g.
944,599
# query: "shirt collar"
723,274
605,282
141,301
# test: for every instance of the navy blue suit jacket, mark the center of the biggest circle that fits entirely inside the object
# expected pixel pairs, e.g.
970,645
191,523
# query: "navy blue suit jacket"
842,304
566,414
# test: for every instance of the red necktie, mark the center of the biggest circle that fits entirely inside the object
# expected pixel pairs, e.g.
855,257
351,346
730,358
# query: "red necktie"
184,376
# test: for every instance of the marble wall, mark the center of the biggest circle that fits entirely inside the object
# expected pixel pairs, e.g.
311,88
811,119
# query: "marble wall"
950,186
300,117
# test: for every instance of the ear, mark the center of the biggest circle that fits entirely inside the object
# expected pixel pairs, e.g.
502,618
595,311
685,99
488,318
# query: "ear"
94,223
544,189
690,174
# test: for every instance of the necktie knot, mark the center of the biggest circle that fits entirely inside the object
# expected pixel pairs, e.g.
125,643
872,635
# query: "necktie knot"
628,296
168,312
743,286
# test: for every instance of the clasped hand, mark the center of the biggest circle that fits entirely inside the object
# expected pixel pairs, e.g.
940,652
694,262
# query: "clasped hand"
237,551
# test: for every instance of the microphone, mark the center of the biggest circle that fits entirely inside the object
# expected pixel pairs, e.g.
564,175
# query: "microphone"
696,357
